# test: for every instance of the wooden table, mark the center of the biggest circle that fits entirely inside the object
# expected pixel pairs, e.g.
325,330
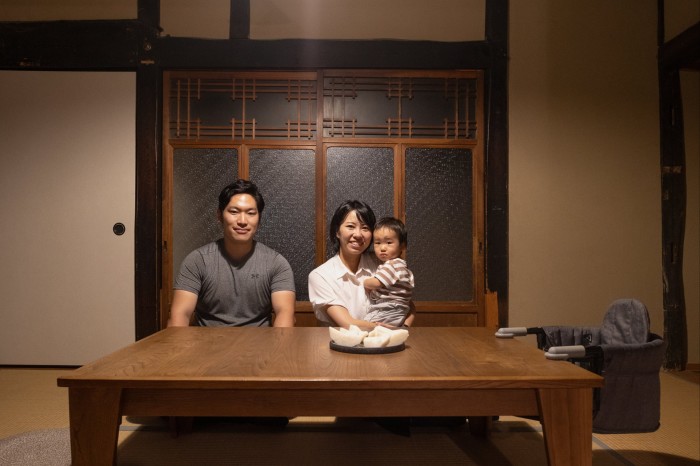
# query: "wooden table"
457,371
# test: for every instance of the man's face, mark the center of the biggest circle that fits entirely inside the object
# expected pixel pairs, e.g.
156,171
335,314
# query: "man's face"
240,218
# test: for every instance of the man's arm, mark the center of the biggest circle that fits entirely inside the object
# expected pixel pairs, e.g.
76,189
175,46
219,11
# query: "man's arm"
283,306
182,308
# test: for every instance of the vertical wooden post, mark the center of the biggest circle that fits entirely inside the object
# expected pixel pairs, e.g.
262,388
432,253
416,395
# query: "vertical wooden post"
496,147
239,24
673,196
147,246
673,211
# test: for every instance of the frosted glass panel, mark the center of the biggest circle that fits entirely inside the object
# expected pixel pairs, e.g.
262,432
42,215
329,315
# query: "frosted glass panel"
362,173
199,175
439,222
286,181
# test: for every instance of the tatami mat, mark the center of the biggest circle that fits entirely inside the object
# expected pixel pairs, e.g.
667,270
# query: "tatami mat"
31,401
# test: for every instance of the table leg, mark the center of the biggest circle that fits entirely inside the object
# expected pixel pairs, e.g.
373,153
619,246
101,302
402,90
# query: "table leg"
480,425
567,423
94,425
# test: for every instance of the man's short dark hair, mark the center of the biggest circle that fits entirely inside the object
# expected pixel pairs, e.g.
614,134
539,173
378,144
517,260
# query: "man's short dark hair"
241,186
395,225
364,213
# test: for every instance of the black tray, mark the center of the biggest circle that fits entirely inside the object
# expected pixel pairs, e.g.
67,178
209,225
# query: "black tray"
362,350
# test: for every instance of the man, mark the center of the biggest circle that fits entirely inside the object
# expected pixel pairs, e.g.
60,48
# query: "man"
235,281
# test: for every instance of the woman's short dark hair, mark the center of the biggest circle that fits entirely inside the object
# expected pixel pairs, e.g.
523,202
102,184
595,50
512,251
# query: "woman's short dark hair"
395,225
364,213
241,187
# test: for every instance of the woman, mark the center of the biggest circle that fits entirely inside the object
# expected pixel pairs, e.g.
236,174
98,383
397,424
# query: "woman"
336,288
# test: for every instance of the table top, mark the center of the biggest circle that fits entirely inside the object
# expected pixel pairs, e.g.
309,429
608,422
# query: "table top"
300,357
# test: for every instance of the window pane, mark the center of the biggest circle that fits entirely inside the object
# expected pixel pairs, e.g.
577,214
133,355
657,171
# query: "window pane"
199,175
362,173
286,180
439,222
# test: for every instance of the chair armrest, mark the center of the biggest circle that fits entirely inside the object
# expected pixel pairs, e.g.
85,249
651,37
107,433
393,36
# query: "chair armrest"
566,352
510,332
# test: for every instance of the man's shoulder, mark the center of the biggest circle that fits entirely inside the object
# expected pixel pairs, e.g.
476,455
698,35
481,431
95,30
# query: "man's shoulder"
208,250
265,254
263,250
212,247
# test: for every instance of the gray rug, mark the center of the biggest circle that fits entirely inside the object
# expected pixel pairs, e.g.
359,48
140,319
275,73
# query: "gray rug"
50,447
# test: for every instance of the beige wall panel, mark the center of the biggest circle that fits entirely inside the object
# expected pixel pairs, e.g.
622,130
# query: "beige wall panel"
690,87
206,19
440,20
67,170
585,209
679,15
48,10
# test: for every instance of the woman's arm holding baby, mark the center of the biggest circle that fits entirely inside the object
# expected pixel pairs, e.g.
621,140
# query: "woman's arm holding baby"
372,284
342,318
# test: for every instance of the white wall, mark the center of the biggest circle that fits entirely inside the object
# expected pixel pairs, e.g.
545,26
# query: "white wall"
67,174
439,20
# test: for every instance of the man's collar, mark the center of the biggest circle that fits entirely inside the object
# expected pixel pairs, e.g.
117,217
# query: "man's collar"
242,251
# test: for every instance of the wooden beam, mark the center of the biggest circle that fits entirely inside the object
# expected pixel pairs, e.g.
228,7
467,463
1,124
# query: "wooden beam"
70,45
673,212
239,24
177,52
683,51
147,242
497,155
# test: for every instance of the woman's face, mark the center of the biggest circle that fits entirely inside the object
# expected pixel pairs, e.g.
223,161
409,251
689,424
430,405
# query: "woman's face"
353,235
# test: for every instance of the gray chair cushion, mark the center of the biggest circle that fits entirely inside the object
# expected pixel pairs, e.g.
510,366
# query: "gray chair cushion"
625,322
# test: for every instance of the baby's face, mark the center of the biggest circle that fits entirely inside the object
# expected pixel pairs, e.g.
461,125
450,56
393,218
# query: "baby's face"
386,244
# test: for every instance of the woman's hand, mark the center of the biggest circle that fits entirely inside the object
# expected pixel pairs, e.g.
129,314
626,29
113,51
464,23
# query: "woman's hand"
342,318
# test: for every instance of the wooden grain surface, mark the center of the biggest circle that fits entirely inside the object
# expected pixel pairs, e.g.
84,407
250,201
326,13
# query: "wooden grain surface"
444,371
271,358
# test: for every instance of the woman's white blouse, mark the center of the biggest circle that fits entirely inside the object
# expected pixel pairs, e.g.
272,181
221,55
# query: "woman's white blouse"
332,284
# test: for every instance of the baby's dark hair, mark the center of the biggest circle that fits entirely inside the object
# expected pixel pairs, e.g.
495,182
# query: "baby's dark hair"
395,225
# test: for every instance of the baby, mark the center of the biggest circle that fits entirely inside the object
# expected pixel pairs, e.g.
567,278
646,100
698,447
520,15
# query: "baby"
391,287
